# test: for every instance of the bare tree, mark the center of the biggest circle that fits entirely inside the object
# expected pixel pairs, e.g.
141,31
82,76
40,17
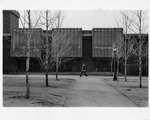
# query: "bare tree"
140,28
22,47
61,42
125,45
54,43
28,58
47,60
119,44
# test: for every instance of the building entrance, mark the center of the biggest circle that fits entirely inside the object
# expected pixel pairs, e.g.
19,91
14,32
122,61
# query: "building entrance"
87,53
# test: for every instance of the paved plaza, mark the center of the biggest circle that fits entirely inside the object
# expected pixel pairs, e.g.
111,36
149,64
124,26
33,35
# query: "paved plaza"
91,91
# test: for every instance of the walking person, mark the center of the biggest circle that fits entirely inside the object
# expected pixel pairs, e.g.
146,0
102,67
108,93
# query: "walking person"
83,70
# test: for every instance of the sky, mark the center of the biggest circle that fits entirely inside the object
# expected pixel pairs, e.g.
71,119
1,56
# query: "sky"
88,19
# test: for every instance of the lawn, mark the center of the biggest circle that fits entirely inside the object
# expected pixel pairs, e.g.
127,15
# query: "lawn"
14,89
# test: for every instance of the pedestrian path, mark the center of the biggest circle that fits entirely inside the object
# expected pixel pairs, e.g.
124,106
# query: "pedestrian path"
93,91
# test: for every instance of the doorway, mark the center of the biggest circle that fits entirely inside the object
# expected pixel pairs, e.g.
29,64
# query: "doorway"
87,53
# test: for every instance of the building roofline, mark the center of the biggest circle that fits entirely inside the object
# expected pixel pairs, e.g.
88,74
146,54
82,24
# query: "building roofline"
15,12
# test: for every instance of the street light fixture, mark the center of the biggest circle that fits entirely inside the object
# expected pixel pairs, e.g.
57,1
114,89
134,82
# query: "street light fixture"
115,52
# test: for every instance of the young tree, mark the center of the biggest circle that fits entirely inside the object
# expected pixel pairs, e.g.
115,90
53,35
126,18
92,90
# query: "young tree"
28,57
47,60
62,43
119,44
22,39
140,28
54,43
125,45
30,34
122,46
60,39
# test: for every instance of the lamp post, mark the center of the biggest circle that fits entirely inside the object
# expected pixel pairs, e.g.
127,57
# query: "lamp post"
114,51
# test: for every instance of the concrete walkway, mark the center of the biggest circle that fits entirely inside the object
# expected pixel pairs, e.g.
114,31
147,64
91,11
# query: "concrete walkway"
93,91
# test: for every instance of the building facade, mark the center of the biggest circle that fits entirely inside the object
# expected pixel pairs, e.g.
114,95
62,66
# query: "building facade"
92,47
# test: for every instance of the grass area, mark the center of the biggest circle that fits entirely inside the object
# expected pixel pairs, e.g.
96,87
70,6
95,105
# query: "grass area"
14,88
131,89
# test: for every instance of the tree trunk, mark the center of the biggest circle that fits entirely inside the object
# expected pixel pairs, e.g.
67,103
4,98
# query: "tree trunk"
47,50
125,70
28,62
140,50
140,72
140,61
27,78
57,76
56,70
46,76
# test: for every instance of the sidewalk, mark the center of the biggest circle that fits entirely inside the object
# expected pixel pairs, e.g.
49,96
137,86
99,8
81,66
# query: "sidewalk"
92,91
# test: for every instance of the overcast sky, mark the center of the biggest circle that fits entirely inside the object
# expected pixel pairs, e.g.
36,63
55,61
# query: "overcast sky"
88,19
